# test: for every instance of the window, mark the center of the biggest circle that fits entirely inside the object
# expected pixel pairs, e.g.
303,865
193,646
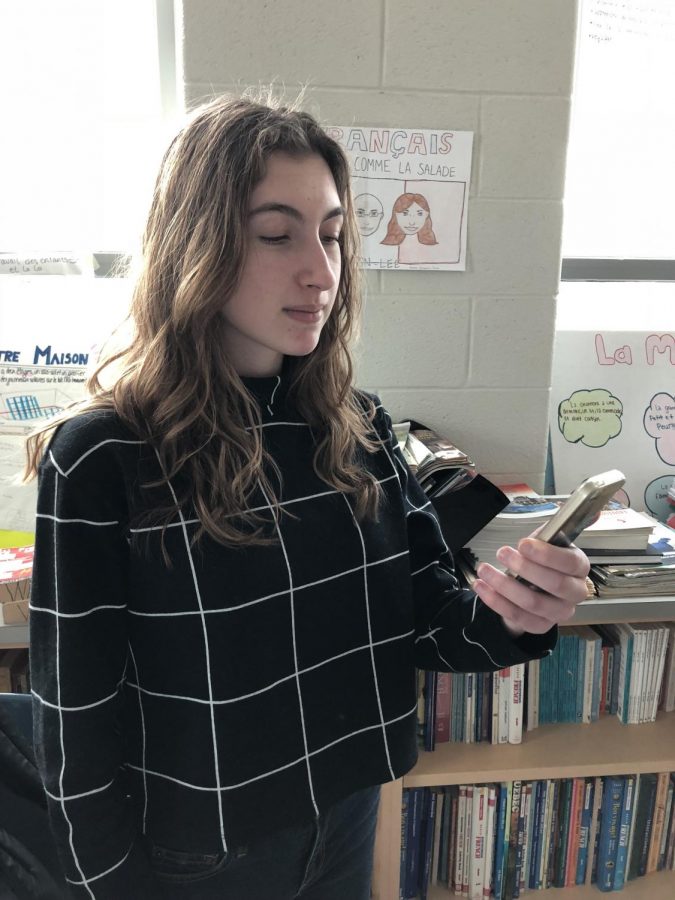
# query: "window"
620,185
83,110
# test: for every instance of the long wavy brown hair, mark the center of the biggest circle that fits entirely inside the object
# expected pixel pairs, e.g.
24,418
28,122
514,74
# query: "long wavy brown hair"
173,384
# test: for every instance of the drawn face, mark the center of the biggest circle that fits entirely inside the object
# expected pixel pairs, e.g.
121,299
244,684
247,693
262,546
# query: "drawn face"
292,268
369,213
412,219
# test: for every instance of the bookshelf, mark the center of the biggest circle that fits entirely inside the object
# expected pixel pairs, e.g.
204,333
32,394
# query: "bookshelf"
606,747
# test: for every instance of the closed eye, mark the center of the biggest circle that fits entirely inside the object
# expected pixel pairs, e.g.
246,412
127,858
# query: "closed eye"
273,239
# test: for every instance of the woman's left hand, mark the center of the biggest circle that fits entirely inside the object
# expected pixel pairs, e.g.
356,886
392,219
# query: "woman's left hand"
560,573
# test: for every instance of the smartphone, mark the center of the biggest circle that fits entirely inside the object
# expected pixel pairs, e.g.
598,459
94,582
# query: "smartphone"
578,511
581,508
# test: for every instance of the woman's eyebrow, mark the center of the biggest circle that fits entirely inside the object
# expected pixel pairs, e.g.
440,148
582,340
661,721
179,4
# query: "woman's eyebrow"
291,211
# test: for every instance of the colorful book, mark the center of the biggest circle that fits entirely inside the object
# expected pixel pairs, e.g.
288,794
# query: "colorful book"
609,831
584,831
478,840
516,703
490,840
442,722
511,849
502,838
624,831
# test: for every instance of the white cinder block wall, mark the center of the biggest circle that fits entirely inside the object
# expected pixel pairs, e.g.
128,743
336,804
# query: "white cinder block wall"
469,353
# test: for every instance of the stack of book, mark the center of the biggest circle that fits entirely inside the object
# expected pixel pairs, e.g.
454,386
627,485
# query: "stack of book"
503,839
626,670
619,531
438,465
463,499
632,554
471,707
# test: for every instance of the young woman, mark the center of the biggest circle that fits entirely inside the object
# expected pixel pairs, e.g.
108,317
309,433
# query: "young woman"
235,574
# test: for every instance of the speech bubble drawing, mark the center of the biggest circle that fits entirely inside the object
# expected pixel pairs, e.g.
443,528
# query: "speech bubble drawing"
590,417
656,497
659,422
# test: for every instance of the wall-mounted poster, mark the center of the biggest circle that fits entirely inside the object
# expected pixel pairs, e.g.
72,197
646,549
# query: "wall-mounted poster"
613,407
51,331
411,192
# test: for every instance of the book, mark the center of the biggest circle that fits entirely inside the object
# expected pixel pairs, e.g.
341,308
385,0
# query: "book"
405,820
666,825
468,831
552,835
459,840
443,698
539,800
523,825
662,780
625,820
413,845
427,452
502,838
594,831
515,726
584,831
532,680
644,810
617,529
609,831
438,828
667,699
478,839
430,710
574,831
442,873
511,849
504,704
464,500
490,831
563,831
427,840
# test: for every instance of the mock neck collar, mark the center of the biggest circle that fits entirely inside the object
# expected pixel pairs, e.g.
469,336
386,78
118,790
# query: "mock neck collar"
270,391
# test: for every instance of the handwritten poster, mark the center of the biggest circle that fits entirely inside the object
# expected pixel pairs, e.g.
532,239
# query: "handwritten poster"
613,407
411,192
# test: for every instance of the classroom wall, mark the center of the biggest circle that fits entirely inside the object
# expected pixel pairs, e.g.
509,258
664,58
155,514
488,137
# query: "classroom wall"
469,353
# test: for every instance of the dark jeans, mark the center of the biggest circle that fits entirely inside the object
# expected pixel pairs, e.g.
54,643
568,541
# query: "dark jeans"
329,859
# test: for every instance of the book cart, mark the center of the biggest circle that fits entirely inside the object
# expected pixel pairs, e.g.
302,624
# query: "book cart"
605,747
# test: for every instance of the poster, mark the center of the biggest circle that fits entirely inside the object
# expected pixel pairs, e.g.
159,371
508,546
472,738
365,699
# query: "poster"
52,329
411,192
613,407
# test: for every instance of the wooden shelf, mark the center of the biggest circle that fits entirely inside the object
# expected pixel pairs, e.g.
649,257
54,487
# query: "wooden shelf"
657,886
630,609
13,636
605,747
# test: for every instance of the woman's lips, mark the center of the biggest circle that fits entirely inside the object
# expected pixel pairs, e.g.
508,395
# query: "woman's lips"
309,315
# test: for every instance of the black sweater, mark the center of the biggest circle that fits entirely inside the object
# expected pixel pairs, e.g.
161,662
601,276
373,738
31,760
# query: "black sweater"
239,691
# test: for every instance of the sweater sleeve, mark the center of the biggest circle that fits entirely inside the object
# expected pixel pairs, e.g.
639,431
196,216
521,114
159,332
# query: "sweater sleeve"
78,654
454,630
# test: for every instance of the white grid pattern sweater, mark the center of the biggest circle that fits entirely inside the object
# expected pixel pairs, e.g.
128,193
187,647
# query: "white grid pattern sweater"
240,691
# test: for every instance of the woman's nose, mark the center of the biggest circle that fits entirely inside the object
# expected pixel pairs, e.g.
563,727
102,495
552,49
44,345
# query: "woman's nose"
318,269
